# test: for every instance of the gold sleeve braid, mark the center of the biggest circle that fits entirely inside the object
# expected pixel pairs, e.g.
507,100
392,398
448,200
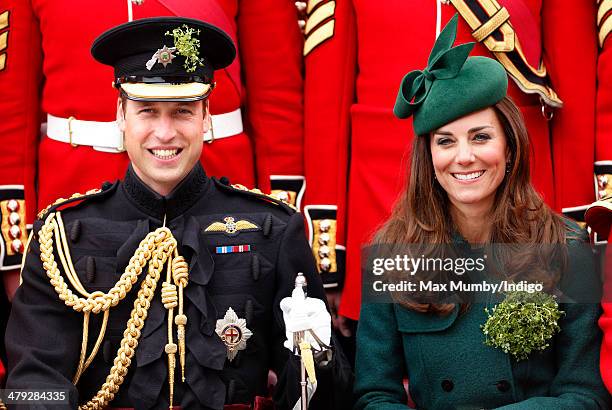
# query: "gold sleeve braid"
154,250
604,20
4,23
320,23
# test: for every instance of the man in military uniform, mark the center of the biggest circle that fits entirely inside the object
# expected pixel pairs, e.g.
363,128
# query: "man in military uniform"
44,46
165,288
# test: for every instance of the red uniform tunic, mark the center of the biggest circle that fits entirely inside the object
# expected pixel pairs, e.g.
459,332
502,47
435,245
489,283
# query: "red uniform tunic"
356,152
603,142
46,67
604,183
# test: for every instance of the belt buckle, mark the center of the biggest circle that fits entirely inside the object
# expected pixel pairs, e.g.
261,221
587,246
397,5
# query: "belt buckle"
70,119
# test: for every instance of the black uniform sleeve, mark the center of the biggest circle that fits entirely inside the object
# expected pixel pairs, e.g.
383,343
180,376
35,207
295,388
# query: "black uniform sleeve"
334,379
43,337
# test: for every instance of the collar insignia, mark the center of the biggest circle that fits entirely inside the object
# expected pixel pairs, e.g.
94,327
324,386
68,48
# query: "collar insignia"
233,333
231,226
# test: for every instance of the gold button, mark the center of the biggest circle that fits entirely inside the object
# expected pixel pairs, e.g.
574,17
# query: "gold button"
15,231
323,239
13,205
324,225
602,181
324,251
325,265
14,218
283,196
17,246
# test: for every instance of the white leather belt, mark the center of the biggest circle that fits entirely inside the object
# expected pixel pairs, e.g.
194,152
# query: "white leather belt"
105,136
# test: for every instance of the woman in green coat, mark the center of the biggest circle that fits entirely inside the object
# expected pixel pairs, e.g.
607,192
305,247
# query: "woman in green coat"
469,187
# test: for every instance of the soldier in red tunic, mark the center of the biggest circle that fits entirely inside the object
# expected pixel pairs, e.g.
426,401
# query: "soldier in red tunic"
47,75
355,55
603,141
599,215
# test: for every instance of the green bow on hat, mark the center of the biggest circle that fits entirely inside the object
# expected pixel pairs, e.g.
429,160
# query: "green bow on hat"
451,86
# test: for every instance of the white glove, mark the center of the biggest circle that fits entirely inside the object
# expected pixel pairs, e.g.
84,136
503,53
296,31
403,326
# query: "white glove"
301,314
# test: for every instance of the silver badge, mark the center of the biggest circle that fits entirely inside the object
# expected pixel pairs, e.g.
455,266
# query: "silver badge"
233,333
163,56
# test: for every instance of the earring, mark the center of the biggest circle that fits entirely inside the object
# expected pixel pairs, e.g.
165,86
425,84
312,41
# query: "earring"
508,167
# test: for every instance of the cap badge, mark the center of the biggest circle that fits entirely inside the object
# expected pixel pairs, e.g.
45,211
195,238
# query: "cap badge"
231,226
233,333
163,56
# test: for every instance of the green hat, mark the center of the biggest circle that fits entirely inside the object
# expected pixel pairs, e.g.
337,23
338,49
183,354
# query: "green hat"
451,86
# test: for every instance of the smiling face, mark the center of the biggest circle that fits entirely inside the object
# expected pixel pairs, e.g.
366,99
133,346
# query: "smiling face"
469,158
163,139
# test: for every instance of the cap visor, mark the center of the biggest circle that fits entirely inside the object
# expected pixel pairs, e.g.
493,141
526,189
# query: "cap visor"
166,92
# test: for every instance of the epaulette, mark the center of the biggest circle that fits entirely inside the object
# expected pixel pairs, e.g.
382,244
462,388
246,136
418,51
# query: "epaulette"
106,189
256,193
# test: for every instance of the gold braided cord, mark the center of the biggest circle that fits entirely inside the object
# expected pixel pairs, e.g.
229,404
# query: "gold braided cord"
135,324
170,301
81,367
98,301
180,273
84,364
64,254
155,250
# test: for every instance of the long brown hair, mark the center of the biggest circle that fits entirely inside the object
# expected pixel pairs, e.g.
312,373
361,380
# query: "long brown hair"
519,215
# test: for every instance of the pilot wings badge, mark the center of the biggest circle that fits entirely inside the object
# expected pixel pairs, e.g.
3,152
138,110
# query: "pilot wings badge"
231,226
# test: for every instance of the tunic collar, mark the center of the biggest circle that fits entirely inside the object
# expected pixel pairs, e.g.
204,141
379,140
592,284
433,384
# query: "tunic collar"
186,194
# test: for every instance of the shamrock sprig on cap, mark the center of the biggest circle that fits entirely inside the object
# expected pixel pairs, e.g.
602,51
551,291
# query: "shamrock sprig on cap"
187,46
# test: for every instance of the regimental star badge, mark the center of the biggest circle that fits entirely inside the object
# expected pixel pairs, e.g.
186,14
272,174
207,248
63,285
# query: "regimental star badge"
163,56
231,226
233,333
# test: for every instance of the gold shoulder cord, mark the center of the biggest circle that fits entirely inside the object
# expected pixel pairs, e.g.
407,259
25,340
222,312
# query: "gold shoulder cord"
155,249
262,195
